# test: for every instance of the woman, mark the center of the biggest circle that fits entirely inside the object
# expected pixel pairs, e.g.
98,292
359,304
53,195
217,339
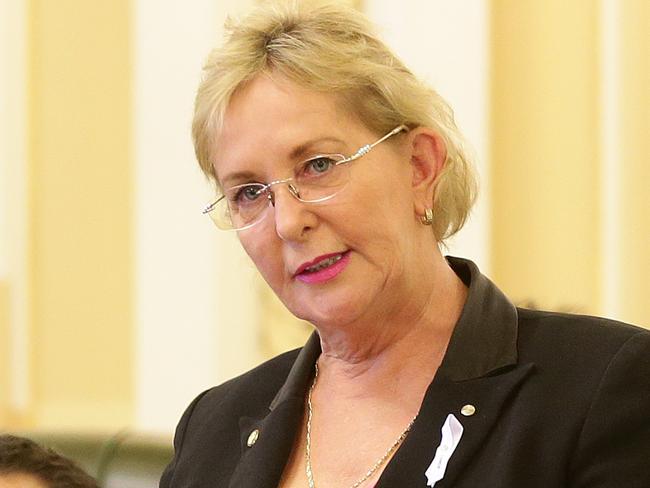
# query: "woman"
343,175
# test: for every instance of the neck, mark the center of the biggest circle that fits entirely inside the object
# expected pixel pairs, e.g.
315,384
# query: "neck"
409,337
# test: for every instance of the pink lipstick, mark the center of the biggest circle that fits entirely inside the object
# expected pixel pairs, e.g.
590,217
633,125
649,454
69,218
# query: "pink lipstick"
323,268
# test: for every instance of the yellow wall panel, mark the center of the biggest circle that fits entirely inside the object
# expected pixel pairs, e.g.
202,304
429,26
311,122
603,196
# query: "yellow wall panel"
81,212
635,158
544,152
4,352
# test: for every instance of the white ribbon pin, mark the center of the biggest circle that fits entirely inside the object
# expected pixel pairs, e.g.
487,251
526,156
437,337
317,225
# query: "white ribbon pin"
452,431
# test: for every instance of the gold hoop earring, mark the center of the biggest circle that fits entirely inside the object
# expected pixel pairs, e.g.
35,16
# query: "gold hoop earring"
427,218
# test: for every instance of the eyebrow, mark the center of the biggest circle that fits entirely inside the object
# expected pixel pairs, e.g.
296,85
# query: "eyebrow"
296,153
304,148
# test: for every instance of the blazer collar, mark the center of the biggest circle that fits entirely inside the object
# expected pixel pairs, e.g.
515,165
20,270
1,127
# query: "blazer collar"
298,378
479,370
485,337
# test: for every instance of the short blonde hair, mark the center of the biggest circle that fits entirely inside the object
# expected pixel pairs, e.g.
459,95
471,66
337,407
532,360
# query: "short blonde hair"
331,47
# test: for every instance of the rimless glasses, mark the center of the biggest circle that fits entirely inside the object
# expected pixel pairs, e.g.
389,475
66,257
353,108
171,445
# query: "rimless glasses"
315,180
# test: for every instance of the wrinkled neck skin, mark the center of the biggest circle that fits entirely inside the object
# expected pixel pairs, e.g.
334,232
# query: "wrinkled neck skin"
400,341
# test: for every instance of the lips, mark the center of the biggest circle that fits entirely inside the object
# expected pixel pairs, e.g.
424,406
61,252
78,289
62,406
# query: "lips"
323,269
321,262
325,263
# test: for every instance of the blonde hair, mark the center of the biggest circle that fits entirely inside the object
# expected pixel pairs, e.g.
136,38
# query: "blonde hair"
331,47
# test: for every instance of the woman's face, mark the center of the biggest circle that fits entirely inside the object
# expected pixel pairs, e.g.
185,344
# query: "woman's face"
367,238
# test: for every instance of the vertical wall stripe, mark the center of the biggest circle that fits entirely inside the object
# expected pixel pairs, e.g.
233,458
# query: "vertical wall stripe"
7,52
5,351
195,304
635,157
13,187
545,153
610,140
80,213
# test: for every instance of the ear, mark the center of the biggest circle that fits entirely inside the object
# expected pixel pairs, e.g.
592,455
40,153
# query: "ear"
428,155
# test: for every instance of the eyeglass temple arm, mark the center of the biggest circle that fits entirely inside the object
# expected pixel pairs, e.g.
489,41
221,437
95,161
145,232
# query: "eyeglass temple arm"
366,149
210,207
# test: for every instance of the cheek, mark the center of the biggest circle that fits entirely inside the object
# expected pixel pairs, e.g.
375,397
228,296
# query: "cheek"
384,206
266,258
386,184
384,224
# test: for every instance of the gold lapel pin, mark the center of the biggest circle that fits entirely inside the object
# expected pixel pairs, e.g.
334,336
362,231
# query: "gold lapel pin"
252,438
468,410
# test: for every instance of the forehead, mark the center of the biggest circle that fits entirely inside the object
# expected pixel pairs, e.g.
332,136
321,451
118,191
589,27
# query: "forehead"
20,480
271,116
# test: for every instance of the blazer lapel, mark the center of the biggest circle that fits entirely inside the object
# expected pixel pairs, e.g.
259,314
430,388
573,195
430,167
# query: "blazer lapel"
261,464
479,370
487,395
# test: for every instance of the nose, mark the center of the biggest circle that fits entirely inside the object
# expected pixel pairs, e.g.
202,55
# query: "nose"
293,218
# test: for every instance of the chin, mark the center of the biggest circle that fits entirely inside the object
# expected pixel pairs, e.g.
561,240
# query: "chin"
329,309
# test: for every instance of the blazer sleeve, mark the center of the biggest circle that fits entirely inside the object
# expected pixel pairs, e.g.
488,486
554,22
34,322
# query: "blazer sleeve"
614,444
167,478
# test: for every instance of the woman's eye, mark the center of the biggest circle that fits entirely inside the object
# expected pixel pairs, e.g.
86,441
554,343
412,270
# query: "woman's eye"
247,194
319,165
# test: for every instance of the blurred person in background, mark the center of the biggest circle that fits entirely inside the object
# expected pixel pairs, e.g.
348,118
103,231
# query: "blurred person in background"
26,464
343,175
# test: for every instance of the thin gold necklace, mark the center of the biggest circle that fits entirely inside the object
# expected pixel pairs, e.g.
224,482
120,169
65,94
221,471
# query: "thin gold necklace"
372,470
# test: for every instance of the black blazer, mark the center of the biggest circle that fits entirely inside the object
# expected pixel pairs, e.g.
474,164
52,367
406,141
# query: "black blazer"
560,401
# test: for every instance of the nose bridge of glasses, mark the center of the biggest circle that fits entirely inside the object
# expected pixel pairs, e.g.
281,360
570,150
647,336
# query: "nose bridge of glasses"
291,185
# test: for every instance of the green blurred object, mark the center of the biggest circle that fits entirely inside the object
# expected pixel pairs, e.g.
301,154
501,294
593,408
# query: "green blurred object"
121,460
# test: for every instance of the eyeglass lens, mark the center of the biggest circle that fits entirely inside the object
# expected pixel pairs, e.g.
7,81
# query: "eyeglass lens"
316,179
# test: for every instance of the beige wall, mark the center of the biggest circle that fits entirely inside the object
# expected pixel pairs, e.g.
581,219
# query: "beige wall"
551,239
80,189
545,170
4,353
